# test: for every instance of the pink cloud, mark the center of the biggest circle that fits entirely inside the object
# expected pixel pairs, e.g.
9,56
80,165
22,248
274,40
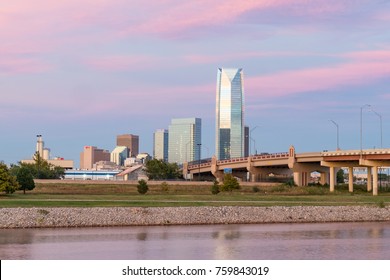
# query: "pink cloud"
189,14
385,96
123,62
364,68
219,58
383,16
16,65
52,24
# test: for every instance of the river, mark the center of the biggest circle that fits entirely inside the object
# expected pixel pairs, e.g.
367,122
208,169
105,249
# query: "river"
330,241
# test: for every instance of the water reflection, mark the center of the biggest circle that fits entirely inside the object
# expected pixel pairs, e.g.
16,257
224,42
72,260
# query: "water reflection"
268,241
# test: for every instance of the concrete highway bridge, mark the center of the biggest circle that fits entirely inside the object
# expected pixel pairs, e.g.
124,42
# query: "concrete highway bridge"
299,166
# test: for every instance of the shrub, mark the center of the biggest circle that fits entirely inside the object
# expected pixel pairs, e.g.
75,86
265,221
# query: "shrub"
255,189
215,187
164,187
229,183
142,186
279,188
381,204
290,183
316,190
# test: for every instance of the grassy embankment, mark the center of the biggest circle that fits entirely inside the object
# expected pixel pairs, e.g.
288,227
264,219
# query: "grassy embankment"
91,194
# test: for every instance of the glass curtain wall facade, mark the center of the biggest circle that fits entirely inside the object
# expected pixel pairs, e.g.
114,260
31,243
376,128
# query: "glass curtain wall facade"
230,136
160,144
184,143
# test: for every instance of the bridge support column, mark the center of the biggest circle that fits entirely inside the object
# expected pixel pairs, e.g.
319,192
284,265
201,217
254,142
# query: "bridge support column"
369,179
302,172
218,174
324,179
332,178
375,180
375,164
297,178
256,176
350,179
301,178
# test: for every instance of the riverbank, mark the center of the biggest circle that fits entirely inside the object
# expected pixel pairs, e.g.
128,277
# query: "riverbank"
136,216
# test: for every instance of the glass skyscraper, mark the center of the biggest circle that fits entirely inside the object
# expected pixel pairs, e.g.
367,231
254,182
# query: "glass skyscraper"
160,144
230,140
184,140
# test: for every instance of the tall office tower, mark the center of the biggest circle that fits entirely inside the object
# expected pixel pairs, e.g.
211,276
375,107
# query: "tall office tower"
230,114
160,144
119,155
130,141
184,143
247,140
91,155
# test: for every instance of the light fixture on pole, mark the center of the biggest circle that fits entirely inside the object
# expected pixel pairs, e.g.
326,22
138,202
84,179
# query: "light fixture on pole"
361,126
337,126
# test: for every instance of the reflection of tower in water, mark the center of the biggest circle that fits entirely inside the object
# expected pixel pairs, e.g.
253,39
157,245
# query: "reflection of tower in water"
225,243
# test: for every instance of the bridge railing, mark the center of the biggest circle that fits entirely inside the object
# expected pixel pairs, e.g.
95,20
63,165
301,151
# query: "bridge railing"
238,160
355,152
271,156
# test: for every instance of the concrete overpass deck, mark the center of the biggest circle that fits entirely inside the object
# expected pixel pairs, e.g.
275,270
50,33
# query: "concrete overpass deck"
299,166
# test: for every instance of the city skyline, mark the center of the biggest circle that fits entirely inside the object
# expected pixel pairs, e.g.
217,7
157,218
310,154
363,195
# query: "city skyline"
81,73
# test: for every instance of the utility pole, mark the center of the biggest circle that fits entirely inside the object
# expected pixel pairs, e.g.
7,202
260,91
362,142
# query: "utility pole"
199,148
337,126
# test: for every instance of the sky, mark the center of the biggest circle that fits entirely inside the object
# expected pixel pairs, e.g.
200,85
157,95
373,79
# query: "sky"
81,72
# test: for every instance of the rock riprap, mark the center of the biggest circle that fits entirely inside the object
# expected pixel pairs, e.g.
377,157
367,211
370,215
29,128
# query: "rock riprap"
134,216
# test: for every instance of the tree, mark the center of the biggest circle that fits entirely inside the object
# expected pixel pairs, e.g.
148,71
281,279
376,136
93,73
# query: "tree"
340,176
25,179
229,183
40,169
8,183
215,187
161,170
142,186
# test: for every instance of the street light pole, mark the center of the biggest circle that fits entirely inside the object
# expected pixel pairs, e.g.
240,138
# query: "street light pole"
250,133
337,126
254,145
208,151
380,119
361,126
199,145
38,154
187,151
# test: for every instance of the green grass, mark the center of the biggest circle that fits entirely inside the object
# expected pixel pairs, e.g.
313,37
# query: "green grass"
126,195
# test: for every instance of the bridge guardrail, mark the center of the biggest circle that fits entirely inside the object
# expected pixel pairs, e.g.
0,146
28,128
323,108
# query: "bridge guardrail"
241,159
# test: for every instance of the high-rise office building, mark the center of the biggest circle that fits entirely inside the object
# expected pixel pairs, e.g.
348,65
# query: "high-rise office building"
130,141
247,141
119,155
184,144
160,144
230,134
90,155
